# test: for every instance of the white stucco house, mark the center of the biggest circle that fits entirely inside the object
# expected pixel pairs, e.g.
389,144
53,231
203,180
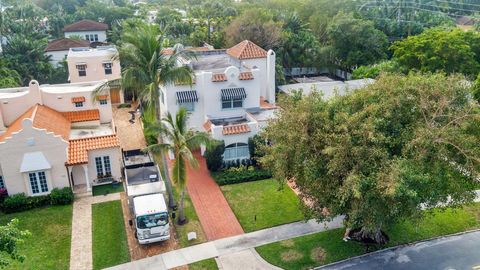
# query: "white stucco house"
55,136
89,30
96,64
58,49
233,95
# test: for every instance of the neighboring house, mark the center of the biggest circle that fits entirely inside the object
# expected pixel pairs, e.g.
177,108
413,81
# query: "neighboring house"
327,88
58,49
89,30
54,136
95,64
232,97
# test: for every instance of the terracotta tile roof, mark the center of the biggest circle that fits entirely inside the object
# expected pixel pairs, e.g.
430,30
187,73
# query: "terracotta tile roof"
78,149
85,25
43,117
244,76
208,126
247,50
102,97
265,105
235,129
220,77
82,116
78,99
64,44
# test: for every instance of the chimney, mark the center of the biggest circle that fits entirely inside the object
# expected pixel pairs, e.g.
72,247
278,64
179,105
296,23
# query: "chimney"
34,90
270,77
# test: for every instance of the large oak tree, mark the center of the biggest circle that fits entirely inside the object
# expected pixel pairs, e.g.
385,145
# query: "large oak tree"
380,154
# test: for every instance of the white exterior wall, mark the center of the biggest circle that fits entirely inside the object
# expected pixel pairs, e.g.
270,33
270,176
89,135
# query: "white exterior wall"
56,57
102,35
18,103
115,162
94,70
53,147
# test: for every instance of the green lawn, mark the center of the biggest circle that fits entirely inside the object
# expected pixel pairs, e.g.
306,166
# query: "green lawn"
208,264
49,245
326,247
193,224
110,245
264,200
106,189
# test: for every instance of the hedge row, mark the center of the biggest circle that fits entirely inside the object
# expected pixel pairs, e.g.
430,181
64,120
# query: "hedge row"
20,202
228,177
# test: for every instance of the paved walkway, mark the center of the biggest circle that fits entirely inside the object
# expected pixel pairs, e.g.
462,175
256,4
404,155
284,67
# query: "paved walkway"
249,260
230,245
130,134
217,218
81,246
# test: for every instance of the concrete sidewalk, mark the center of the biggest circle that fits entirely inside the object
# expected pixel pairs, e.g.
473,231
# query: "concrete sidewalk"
249,260
229,245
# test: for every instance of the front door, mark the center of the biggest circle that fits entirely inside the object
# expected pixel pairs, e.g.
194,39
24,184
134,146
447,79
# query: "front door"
115,95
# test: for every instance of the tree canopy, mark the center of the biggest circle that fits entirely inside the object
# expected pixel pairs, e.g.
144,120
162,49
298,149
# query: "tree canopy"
382,153
10,237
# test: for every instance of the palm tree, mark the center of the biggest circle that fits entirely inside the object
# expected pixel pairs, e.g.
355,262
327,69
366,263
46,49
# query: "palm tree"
146,67
181,141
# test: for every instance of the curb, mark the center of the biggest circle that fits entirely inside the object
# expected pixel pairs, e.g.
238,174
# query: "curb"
396,247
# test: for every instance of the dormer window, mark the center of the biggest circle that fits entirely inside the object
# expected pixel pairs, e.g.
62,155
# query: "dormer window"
82,70
107,67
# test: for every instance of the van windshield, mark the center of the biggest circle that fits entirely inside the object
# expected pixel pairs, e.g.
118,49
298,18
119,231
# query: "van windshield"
153,220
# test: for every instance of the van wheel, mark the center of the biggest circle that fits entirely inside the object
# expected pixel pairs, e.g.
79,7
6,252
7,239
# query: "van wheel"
136,236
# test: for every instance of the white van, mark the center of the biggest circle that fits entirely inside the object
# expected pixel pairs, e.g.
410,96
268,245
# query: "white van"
151,218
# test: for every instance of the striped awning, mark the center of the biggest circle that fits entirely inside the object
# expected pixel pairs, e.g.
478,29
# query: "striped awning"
187,96
233,93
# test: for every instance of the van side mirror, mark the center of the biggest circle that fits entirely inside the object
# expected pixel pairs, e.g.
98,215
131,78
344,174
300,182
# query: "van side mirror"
130,222
173,215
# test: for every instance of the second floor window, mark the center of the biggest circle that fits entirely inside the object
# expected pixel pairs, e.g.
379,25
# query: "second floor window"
2,183
82,70
232,103
91,37
189,106
78,104
107,67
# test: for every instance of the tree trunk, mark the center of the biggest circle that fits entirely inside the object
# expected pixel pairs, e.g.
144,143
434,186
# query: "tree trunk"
168,183
182,219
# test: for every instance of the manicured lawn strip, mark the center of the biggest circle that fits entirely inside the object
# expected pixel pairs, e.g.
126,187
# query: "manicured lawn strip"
109,243
49,245
271,206
208,264
193,224
300,253
107,189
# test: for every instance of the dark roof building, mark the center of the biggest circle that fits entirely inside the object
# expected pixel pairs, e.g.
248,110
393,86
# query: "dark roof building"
64,44
85,25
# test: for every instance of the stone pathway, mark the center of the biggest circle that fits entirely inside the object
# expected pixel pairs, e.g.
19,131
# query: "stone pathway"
230,245
249,259
81,245
217,218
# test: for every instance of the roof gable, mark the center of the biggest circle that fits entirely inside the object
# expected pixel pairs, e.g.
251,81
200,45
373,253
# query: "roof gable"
65,44
85,25
247,50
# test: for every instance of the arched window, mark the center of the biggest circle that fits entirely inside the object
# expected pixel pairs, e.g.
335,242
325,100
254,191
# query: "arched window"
236,151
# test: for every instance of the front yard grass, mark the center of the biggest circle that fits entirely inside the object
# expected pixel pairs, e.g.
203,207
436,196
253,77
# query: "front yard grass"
107,189
261,204
318,249
49,245
193,224
109,239
208,264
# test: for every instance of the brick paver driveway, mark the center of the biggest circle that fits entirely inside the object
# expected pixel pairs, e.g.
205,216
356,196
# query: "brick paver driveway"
216,216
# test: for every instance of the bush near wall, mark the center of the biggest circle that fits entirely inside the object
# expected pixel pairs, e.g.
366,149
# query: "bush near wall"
20,202
240,175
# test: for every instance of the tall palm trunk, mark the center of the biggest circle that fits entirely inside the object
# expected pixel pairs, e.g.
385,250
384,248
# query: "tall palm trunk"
168,182
181,212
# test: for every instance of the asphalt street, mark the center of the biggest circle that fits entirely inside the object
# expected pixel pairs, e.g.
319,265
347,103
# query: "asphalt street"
459,252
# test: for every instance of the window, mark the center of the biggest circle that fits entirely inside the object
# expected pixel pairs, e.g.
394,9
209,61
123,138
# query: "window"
96,37
107,67
103,102
87,37
82,70
2,183
38,182
232,103
78,104
189,106
103,166
236,151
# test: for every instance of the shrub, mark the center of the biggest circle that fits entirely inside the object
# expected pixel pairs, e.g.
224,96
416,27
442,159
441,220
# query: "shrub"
15,203
61,196
213,156
3,194
241,174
